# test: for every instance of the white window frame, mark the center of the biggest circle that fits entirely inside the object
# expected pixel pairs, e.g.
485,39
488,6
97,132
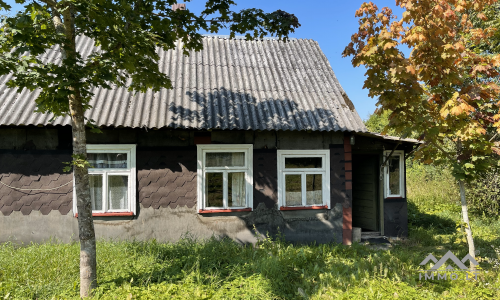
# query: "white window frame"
324,171
399,153
202,150
131,172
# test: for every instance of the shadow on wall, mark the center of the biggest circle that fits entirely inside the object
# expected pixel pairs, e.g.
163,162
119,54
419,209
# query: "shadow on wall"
30,171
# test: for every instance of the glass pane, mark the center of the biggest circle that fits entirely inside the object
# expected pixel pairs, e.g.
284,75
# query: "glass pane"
107,160
117,192
394,186
225,159
96,191
302,162
314,190
293,190
214,189
236,189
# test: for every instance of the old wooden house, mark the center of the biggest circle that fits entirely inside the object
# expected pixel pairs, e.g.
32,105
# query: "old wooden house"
254,137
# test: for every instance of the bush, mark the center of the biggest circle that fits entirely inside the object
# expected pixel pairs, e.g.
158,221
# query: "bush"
483,195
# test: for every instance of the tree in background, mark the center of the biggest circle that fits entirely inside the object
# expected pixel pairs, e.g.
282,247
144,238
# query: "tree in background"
378,123
128,34
443,90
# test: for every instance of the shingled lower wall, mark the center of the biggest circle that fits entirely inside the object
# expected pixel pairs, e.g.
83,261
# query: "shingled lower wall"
31,170
166,178
166,193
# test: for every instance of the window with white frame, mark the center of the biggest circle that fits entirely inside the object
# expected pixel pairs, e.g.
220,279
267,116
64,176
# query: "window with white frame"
112,178
303,178
394,174
225,180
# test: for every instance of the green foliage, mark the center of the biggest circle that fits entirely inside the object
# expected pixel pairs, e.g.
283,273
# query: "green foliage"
378,122
434,189
490,45
483,194
273,269
79,161
128,34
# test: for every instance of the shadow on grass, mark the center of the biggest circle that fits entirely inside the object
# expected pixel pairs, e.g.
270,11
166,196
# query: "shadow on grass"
439,225
224,265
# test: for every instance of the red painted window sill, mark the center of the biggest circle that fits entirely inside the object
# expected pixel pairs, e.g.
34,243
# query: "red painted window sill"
394,198
111,214
211,211
303,207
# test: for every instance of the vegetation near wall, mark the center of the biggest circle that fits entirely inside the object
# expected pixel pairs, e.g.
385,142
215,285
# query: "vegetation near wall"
434,186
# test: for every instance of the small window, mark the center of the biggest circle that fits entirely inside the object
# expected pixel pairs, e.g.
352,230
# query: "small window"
112,178
394,174
303,179
225,180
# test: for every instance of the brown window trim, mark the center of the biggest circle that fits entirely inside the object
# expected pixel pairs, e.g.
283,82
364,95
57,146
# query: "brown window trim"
110,214
303,207
211,211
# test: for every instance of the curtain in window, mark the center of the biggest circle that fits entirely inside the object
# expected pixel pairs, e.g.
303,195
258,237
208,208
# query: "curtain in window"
225,159
96,191
117,192
236,189
293,190
107,160
314,191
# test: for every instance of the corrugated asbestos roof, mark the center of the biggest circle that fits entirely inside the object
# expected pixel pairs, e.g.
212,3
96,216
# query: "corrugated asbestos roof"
230,84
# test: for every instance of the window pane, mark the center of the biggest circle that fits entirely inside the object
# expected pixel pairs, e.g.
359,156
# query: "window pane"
236,189
314,191
302,162
394,186
225,159
214,189
96,191
117,192
293,190
107,160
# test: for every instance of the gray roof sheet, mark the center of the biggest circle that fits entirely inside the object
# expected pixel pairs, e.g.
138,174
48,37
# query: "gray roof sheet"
230,84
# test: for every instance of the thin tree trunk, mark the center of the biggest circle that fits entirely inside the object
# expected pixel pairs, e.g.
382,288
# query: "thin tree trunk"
88,264
468,230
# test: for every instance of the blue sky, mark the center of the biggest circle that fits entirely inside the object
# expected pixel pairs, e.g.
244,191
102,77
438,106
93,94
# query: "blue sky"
331,23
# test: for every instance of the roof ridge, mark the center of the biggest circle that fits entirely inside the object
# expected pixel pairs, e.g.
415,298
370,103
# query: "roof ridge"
241,37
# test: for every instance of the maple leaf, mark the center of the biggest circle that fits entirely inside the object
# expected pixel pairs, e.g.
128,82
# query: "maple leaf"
450,89
482,17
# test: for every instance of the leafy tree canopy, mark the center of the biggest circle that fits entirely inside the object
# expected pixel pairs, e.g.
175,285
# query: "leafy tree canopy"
444,90
128,34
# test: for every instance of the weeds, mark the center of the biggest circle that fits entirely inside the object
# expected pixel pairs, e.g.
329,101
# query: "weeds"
273,268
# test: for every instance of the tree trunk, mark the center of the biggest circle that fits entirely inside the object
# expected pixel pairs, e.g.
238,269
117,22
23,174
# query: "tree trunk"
88,264
468,230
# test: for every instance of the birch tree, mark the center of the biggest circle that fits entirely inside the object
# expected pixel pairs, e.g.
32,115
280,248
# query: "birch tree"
128,34
443,90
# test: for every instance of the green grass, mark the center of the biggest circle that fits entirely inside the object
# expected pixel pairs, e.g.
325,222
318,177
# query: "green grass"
222,269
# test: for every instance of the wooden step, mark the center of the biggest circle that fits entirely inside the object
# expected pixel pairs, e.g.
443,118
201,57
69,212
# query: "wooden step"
369,234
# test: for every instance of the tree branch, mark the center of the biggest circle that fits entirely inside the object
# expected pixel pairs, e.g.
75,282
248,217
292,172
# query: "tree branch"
50,3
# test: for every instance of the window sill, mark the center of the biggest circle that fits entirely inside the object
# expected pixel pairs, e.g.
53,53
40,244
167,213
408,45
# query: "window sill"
303,207
211,211
111,214
398,197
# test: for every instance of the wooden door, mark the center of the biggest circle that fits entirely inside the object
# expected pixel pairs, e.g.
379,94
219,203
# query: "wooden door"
365,184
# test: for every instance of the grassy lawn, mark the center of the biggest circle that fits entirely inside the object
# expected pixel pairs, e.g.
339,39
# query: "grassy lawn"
273,270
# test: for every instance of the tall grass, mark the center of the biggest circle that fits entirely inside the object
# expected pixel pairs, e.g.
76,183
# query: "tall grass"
272,269
222,269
